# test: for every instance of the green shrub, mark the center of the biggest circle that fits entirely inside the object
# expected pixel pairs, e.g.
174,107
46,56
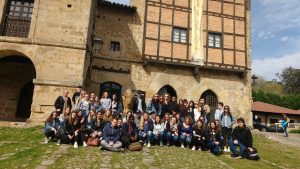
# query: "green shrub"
294,131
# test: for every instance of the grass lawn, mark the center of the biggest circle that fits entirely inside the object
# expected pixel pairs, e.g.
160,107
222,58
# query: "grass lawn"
24,148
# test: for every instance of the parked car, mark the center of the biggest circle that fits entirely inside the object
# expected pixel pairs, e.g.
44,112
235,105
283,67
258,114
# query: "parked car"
260,127
275,128
264,128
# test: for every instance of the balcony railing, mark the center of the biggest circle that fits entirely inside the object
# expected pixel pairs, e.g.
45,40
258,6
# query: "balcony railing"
16,26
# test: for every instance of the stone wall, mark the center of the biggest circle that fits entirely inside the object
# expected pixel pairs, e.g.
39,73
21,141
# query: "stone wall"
229,87
57,43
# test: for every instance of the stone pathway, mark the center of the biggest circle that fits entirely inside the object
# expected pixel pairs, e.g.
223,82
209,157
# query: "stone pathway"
53,156
292,140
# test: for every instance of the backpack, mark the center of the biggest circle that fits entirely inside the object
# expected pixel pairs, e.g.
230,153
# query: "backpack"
136,146
251,155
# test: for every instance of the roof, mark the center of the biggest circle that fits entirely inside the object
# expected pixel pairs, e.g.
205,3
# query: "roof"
270,108
117,5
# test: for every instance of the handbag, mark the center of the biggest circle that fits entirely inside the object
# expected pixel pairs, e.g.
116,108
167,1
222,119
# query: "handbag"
93,141
136,146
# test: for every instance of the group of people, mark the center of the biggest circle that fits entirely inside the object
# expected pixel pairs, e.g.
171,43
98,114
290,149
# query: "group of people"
163,121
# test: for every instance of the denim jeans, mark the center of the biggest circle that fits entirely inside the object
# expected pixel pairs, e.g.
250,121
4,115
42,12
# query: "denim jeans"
214,148
185,139
159,137
117,145
226,132
233,148
285,131
168,137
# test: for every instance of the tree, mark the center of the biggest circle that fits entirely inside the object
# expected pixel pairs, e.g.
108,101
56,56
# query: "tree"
290,79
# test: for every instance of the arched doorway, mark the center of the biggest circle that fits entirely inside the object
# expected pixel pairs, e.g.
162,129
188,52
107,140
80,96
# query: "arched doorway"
167,89
211,99
111,88
16,86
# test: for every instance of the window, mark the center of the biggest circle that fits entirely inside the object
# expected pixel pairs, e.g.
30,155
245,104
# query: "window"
211,99
18,18
111,88
214,40
180,35
114,46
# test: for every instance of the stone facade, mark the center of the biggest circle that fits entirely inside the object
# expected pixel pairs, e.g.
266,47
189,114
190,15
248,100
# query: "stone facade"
126,67
57,45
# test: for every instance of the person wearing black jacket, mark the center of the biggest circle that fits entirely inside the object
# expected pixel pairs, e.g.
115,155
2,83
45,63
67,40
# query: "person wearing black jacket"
98,124
62,102
242,137
72,126
199,136
173,106
129,132
214,138
76,95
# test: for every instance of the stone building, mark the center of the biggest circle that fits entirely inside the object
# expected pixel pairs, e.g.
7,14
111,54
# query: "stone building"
44,49
188,48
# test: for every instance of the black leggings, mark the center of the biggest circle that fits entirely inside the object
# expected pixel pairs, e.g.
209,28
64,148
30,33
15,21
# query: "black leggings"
199,143
50,133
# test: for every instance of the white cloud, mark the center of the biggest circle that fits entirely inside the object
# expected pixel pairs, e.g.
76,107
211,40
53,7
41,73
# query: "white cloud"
265,35
268,67
286,38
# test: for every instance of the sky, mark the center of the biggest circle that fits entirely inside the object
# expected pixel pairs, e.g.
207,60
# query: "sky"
275,27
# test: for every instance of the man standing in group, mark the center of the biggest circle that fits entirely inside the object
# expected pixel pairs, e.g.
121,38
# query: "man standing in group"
205,110
62,102
219,111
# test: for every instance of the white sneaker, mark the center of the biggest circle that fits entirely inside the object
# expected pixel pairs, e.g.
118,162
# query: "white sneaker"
194,148
46,140
182,146
145,144
84,144
149,145
58,142
226,149
75,145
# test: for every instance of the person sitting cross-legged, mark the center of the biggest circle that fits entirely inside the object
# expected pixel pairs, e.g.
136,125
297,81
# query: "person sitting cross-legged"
111,137
242,137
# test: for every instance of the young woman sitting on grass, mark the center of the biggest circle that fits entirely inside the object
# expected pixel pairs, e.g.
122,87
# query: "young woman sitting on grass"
98,124
51,127
186,132
73,126
146,129
214,138
199,136
158,130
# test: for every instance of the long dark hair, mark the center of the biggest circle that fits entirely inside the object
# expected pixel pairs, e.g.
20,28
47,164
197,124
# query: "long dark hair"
203,127
228,112
73,121
50,118
216,127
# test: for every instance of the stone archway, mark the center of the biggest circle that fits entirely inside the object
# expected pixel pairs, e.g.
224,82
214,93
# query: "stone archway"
16,87
167,89
211,99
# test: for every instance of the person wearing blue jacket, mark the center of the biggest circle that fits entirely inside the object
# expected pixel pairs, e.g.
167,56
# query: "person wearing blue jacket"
51,127
285,124
154,105
111,137
227,121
